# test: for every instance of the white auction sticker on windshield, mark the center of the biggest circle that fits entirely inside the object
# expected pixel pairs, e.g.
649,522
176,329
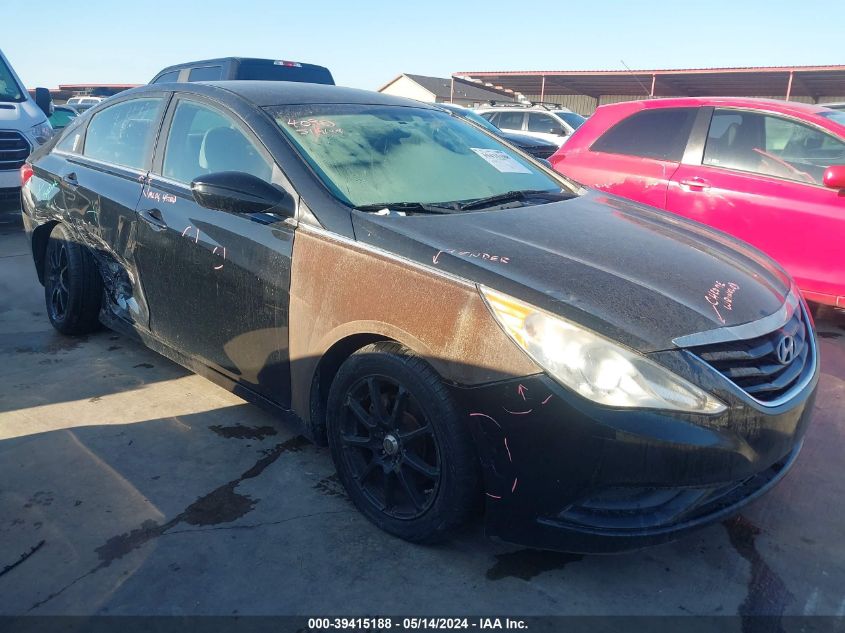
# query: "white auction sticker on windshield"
501,161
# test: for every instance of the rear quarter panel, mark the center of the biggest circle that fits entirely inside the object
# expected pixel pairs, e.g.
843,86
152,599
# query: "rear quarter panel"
642,179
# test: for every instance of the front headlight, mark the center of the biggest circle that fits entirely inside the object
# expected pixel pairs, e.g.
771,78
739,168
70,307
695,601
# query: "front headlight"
593,366
41,133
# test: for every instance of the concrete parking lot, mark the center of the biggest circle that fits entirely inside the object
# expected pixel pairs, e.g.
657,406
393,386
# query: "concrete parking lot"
130,486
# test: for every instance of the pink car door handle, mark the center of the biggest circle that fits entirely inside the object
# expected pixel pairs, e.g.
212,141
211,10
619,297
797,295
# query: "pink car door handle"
695,184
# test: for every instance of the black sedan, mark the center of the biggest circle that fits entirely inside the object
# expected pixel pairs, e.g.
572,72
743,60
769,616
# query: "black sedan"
463,327
537,147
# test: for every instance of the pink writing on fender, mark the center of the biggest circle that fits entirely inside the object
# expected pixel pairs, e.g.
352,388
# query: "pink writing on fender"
471,255
721,297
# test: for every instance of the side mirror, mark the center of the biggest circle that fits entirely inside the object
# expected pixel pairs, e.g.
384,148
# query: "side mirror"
834,177
237,192
44,101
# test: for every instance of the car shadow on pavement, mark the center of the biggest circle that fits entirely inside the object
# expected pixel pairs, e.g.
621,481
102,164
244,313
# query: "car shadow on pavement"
228,510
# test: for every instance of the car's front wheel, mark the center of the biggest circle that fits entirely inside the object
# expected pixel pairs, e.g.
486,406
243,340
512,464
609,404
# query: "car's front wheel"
73,288
399,445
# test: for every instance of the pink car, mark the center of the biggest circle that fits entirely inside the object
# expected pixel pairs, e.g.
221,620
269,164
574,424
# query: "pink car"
769,172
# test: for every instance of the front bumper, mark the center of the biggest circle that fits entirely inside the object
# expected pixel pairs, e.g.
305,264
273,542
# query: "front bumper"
563,473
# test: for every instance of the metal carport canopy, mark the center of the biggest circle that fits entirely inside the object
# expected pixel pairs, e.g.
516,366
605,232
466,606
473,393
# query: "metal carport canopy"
803,81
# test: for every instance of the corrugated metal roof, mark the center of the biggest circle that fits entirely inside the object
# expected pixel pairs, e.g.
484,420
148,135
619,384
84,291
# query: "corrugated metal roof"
809,81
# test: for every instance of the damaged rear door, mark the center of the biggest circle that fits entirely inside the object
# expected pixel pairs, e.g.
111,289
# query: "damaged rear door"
217,282
101,185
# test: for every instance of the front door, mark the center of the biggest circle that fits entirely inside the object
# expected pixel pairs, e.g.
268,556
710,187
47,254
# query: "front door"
546,127
760,179
217,282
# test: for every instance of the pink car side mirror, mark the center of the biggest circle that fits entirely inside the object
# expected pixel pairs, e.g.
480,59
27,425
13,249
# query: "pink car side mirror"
834,177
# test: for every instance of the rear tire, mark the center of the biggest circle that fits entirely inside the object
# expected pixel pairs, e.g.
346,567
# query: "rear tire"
399,445
73,288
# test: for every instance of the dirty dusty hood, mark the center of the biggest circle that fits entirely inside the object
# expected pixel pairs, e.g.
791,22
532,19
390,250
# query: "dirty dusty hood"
632,273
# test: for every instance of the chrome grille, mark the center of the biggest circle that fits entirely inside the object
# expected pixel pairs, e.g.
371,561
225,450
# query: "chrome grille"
754,364
13,150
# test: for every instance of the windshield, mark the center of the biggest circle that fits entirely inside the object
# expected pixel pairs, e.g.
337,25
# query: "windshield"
9,89
574,120
372,154
61,117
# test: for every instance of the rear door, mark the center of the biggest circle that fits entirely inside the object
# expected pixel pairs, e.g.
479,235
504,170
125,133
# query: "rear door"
759,178
101,181
637,157
217,282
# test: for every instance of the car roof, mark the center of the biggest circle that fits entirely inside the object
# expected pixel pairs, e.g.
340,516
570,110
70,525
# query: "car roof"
276,93
522,107
795,108
221,60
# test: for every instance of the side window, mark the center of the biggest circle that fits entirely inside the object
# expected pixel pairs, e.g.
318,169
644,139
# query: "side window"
538,122
72,140
510,120
123,133
205,73
771,146
491,116
660,134
203,140
173,75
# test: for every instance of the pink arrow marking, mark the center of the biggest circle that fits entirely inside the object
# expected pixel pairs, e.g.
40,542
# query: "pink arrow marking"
484,415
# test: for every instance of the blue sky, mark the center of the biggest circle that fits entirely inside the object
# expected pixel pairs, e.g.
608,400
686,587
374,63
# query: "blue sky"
365,44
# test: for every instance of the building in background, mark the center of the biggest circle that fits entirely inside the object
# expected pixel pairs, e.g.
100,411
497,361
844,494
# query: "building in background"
444,90
66,91
584,90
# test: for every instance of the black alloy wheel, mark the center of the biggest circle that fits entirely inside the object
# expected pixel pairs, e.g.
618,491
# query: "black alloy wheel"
57,281
73,288
390,447
400,446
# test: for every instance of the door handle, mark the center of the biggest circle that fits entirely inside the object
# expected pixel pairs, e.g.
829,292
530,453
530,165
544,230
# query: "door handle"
695,184
154,218
70,180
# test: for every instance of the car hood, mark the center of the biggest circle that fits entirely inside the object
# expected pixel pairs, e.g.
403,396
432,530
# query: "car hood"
20,115
630,272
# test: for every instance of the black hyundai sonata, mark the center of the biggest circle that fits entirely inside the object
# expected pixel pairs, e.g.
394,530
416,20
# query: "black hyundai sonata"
465,329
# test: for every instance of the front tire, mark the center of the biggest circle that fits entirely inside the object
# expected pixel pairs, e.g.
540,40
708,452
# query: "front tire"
399,444
73,288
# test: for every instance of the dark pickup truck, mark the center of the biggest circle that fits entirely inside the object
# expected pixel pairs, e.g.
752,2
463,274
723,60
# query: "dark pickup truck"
225,68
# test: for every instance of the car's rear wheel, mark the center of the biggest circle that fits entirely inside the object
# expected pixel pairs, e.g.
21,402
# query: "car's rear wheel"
399,446
73,287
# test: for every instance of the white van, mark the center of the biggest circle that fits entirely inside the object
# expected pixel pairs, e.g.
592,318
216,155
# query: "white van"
23,127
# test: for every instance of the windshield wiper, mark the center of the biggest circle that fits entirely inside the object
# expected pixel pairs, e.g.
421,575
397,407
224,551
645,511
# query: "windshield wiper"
408,207
510,196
